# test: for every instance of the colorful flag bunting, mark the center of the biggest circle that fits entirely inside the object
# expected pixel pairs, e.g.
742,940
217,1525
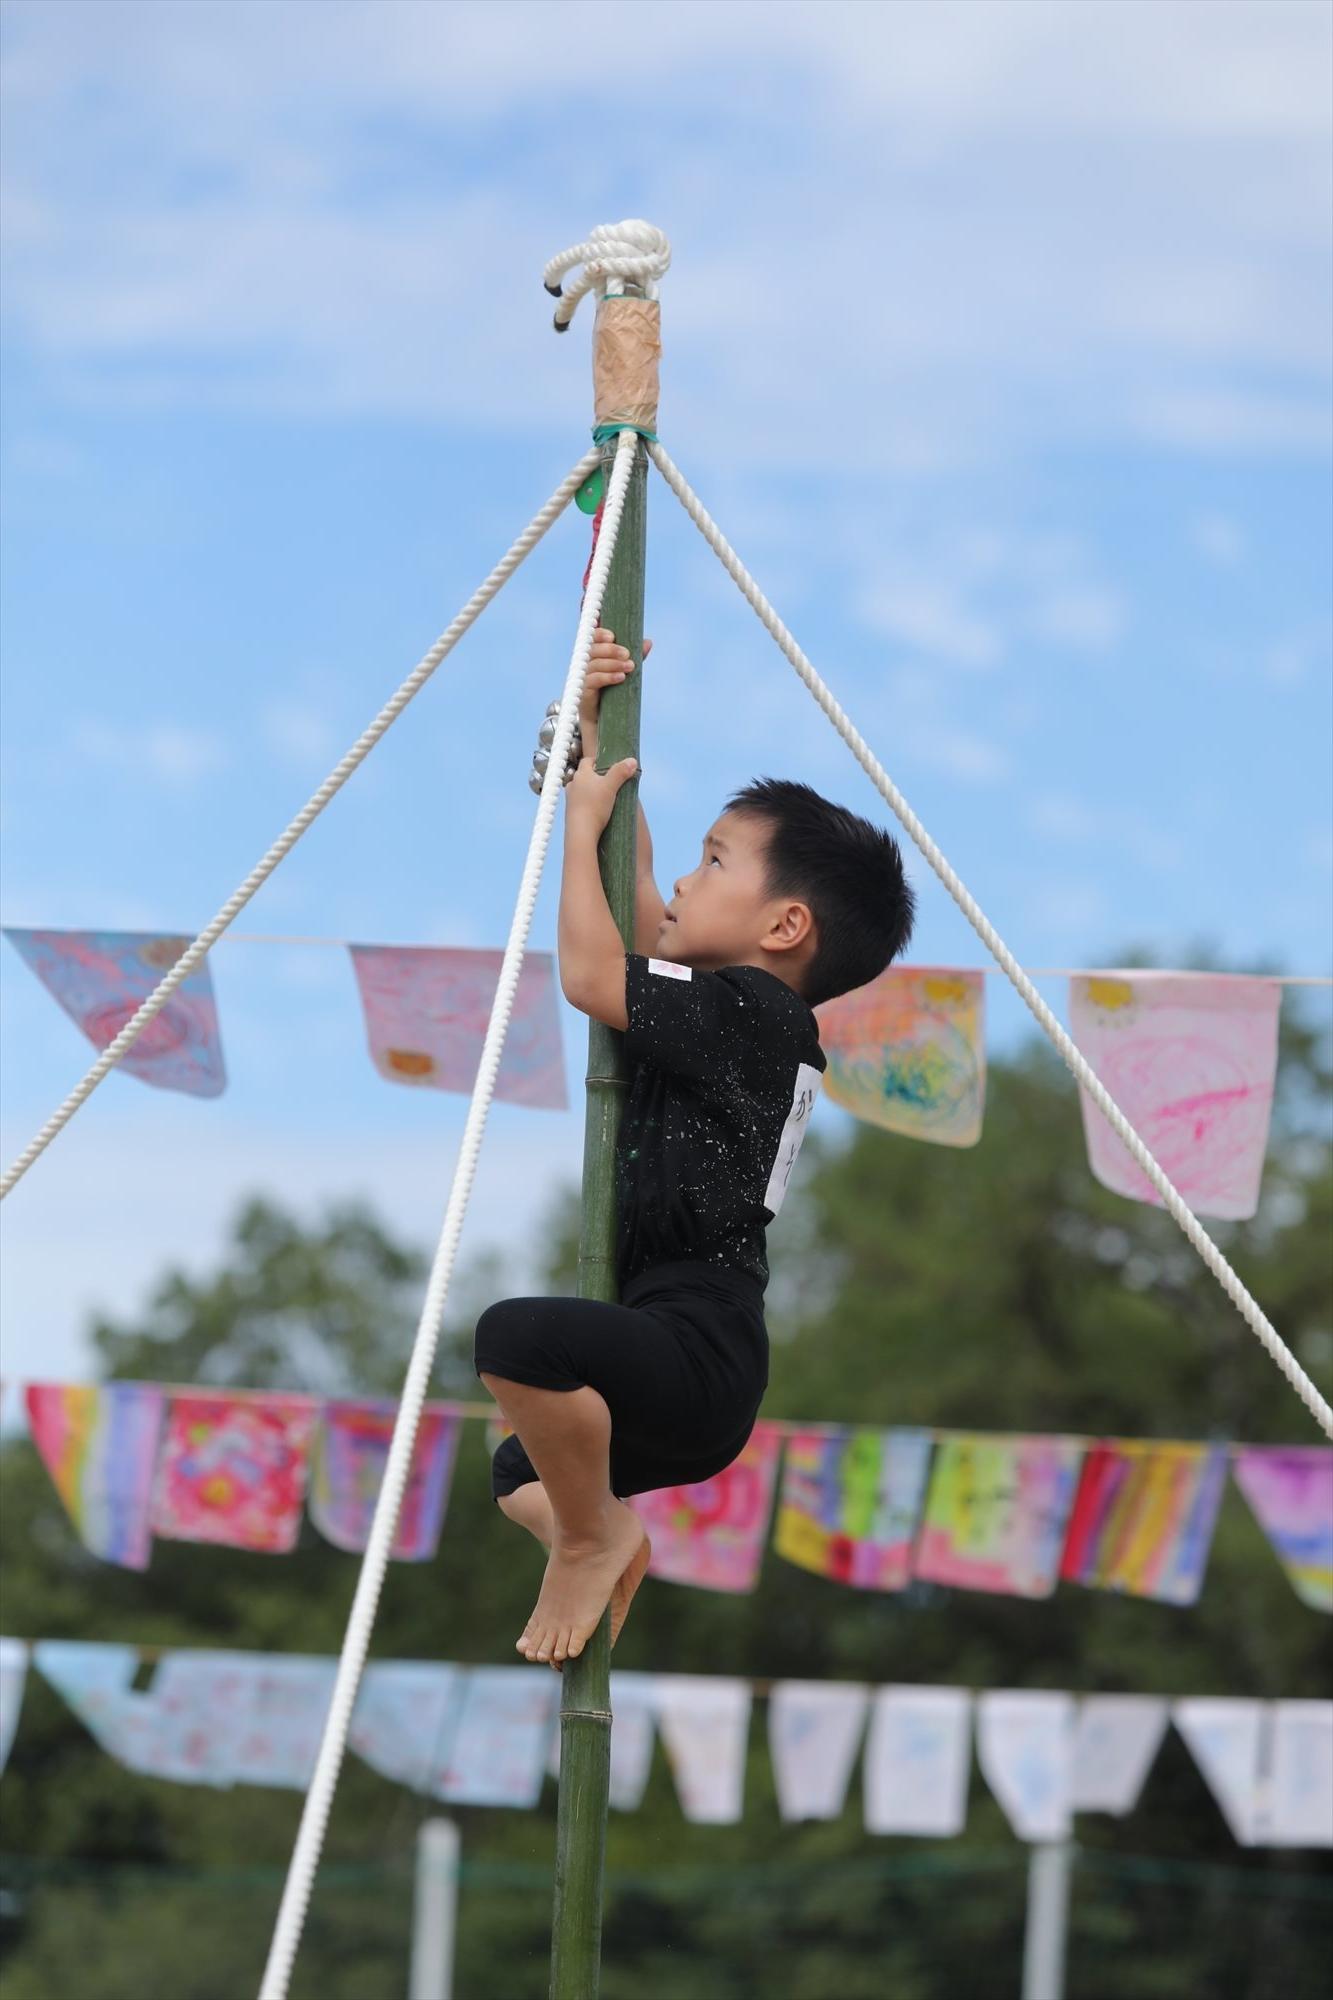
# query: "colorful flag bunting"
347,1470
233,1470
488,1736
1223,1737
907,1052
102,978
1191,1059
1115,1740
850,1502
1290,1488
1143,1518
97,1681
264,1713
918,1760
996,1512
712,1534
13,1678
704,1720
427,1012
500,1741
404,1719
99,1443
1025,1747
1301,1779
814,1732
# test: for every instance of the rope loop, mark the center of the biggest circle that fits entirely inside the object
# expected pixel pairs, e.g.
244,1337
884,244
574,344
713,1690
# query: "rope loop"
615,253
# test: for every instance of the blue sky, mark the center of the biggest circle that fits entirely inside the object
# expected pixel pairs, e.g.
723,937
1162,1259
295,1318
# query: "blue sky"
997,340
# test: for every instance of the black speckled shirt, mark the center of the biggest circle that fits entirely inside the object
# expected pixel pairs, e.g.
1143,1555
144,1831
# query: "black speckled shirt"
724,1068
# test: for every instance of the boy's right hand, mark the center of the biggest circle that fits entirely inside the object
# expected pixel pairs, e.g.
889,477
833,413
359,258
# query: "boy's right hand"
608,665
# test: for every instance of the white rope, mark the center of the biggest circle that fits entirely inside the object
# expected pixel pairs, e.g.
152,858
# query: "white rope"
314,1818
338,777
613,252
879,777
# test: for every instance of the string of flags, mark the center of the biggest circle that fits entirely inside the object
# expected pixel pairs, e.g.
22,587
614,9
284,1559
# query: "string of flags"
489,1736
869,1508
1190,1057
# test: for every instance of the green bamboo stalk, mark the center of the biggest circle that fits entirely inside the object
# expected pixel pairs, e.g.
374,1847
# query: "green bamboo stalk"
585,1696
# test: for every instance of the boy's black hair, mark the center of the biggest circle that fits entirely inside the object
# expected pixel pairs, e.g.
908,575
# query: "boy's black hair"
849,872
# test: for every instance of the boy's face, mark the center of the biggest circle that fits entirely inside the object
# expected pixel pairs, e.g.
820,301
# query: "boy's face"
718,914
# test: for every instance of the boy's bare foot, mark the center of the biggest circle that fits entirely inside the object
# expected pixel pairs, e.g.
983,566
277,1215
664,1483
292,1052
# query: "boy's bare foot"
579,1582
623,1594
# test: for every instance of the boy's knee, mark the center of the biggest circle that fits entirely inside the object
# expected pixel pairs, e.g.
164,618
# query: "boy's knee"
493,1334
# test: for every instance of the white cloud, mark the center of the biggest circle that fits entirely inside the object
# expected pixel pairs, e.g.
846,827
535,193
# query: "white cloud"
177,756
1233,421
1060,816
915,720
1087,619
1218,537
1065,820
1286,660
1070,909
1040,584
300,733
927,617
1011,219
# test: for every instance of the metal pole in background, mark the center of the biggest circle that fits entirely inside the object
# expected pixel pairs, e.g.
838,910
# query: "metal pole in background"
585,1696
1047,1920
435,1911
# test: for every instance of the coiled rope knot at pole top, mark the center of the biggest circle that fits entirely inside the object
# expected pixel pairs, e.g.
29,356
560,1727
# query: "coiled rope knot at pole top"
614,252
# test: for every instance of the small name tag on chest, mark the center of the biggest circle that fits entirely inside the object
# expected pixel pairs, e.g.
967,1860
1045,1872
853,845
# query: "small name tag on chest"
667,970
808,1080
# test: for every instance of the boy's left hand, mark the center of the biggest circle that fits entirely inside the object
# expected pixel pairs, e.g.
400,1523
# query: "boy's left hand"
590,796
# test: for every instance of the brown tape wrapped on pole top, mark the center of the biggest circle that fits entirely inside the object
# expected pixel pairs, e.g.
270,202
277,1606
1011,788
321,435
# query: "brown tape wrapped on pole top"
626,352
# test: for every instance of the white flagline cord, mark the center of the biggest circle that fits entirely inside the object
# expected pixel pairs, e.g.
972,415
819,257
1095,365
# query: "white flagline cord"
319,1799
1203,1243
364,744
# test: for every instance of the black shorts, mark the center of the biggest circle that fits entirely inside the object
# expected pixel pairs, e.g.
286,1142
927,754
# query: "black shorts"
682,1363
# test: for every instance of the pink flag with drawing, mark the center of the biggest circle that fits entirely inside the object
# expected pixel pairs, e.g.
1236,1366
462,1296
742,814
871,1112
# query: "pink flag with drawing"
426,1016
1191,1059
712,1534
996,1512
908,1052
233,1469
1290,1489
351,1452
102,978
850,1503
99,1443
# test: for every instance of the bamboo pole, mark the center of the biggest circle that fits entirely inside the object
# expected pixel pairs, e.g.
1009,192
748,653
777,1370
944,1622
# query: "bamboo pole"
585,1699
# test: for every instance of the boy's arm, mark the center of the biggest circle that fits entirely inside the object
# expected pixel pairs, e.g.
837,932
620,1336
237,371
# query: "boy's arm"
592,954
648,904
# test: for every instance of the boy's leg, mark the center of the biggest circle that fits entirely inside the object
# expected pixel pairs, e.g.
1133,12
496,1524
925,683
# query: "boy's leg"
529,1506
566,1434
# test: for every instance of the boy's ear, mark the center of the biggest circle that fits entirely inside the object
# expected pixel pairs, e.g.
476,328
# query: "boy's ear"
794,925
